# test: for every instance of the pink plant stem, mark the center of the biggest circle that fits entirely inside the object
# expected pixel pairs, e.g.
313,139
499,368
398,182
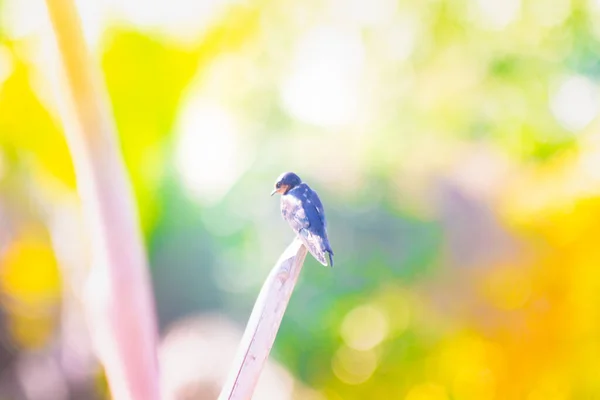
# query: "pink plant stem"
119,303
264,323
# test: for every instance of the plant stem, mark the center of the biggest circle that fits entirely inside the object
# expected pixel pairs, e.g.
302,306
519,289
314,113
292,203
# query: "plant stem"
119,303
264,323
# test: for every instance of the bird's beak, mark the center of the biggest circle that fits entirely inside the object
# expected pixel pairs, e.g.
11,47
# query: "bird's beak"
273,192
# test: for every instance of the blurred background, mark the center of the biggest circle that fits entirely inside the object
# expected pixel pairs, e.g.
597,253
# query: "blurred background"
454,146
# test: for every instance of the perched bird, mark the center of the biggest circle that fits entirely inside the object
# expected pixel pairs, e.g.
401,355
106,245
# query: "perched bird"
302,209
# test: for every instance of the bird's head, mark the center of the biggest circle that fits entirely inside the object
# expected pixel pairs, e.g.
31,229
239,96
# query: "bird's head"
285,182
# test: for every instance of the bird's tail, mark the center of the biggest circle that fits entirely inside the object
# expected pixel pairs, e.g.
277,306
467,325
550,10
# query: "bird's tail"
330,253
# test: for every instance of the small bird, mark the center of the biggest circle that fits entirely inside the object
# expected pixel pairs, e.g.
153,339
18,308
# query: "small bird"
302,209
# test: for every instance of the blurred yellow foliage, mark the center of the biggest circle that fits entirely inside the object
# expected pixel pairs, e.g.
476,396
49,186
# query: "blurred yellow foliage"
27,127
354,366
507,288
31,287
427,391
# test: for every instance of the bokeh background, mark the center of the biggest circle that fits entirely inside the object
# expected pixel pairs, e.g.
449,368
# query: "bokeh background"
453,144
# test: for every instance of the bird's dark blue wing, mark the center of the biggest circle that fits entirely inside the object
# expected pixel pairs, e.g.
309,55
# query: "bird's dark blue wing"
314,199
303,210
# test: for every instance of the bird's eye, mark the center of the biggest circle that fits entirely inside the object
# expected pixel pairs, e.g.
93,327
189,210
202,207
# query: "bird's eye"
278,185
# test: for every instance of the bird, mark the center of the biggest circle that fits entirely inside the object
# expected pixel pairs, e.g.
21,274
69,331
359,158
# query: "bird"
303,210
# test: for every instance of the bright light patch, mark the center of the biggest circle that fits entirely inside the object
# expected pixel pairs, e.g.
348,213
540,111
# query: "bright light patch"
6,64
575,103
323,87
366,13
353,367
588,171
396,305
182,20
25,18
93,18
497,15
364,327
18,20
550,16
209,155
400,38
